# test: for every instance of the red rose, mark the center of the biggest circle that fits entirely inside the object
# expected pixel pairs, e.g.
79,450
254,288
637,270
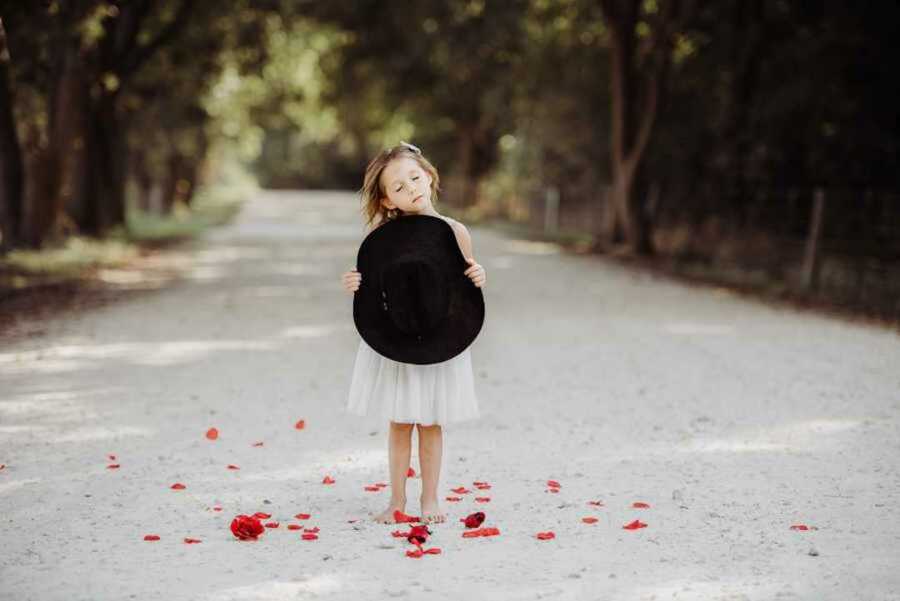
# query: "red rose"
418,534
474,520
246,527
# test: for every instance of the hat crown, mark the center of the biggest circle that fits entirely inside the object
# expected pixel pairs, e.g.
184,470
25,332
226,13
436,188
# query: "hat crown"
414,294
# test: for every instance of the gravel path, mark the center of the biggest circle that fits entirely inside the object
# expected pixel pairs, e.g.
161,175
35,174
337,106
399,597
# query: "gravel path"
731,419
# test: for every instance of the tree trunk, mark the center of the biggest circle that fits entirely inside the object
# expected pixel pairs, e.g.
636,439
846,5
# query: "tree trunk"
11,208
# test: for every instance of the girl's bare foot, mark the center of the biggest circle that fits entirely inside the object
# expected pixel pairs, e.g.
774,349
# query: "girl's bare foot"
387,516
431,512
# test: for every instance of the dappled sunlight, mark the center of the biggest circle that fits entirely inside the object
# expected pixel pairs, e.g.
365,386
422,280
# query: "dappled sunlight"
62,358
530,247
691,328
801,436
278,590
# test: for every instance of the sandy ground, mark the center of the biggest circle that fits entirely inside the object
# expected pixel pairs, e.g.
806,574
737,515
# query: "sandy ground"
733,420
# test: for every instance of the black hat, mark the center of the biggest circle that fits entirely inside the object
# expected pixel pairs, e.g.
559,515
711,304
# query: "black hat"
415,304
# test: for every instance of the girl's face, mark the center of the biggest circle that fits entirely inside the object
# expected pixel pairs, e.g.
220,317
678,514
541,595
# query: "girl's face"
408,187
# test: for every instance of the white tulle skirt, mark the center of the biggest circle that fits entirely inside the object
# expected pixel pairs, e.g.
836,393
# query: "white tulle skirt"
384,390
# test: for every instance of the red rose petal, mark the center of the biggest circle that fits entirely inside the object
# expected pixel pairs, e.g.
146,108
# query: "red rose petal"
302,516
191,541
453,499
482,499
178,486
479,483
461,490
261,515
294,527
483,486
151,537
309,536
402,518
546,535
328,480
316,529
212,433
639,505
634,525
231,466
799,527
597,503
589,520
372,488
399,534
381,484
271,524
553,484
433,551
113,466
217,508
300,424
111,457
410,473
473,520
481,532
258,444
554,490
416,553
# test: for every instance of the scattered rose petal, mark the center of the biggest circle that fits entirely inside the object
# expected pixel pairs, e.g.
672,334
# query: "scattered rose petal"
261,515
328,480
294,527
399,534
481,532
554,490
589,520
640,505
178,486
634,525
799,527
473,520
113,466
314,530
546,535
212,433
553,484
482,499
231,466
372,488
151,537
271,524
217,508
402,518
258,444
478,483
246,527
309,536
420,552
453,499
191,541
302,516
462,490
381,484
418,534
300,424
596,503
410,473
483,486
111,457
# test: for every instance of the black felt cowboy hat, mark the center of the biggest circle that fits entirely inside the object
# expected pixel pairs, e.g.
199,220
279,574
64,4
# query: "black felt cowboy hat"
414,303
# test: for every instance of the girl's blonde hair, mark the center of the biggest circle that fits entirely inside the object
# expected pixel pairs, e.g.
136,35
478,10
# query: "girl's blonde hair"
373,190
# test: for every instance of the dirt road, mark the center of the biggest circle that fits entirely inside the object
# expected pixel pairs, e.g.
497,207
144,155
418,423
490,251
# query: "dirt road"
732,420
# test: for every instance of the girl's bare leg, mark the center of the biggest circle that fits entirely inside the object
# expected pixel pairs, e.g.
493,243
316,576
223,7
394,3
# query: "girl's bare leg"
399,447
431,442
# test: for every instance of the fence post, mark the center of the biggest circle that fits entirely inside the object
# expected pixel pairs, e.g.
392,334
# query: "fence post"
551,210
811,255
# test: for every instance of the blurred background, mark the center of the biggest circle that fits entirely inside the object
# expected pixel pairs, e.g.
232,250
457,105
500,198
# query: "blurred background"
751,142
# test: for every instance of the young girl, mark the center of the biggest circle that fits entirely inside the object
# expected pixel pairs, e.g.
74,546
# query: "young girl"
399,182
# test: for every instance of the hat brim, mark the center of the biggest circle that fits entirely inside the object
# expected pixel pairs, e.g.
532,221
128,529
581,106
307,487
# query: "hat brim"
432,238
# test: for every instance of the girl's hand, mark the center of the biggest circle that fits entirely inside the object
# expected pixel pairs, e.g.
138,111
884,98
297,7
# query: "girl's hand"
476,273
351,280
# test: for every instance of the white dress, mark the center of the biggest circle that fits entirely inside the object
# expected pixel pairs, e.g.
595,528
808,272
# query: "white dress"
384,390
